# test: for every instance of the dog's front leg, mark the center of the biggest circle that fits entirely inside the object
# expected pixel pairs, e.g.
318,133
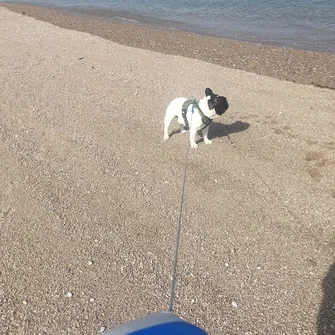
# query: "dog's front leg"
205,135
193,133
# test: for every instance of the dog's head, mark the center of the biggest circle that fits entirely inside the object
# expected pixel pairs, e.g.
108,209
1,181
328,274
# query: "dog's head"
216,102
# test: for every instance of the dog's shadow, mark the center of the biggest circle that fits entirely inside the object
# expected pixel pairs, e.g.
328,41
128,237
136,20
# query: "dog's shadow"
220,129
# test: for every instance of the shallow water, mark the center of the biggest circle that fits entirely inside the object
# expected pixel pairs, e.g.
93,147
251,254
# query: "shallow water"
301,24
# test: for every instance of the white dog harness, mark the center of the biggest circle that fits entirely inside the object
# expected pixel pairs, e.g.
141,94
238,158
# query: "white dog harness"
206,120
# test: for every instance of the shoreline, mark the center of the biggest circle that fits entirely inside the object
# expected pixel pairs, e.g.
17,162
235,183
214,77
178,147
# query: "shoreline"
236,28
119,16
303,67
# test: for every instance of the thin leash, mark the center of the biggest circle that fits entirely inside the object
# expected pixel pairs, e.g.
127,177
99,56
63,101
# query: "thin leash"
177,243
175,260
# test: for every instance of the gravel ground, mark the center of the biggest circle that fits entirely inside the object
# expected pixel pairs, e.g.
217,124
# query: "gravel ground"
90,191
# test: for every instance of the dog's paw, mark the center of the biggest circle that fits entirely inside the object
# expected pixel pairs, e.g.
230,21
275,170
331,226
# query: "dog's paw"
194,145
208,141
166,137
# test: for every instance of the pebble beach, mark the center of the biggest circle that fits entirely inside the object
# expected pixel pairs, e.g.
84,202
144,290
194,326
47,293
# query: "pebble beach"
90,191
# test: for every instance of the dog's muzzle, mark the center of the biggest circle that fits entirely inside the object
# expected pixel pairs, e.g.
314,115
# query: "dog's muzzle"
222,106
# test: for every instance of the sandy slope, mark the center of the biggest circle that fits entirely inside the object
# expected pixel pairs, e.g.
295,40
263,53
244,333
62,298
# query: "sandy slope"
90,192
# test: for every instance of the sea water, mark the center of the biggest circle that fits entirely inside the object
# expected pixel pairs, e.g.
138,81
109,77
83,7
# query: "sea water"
301,24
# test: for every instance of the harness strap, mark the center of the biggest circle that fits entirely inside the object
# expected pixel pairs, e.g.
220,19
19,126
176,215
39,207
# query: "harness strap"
206,120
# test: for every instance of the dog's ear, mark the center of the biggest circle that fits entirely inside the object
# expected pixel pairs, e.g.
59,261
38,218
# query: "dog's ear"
208,92
209,95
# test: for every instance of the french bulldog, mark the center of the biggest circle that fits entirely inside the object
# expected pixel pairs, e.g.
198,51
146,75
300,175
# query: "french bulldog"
195,115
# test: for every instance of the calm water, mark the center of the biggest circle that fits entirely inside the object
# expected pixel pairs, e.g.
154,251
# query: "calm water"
302,24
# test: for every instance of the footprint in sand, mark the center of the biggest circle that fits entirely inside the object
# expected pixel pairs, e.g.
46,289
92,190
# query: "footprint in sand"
285,131
315,162
279,131
267,119
271,122
330,145
320,166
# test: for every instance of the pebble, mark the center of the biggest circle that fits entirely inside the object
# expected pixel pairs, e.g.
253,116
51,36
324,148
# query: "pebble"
25,302
69,294
102,329
90,263
234,304
92,299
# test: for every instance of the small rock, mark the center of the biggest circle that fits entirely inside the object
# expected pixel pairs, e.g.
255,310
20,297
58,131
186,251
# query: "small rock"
102,329
136,93
234,304
92,299
90,263
226,264
69,294
25,302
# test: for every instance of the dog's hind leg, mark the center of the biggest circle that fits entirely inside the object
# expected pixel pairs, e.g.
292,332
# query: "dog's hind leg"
182,128
167,121
181,124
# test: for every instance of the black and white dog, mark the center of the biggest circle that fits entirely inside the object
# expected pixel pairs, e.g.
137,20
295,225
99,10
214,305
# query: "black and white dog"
195,115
